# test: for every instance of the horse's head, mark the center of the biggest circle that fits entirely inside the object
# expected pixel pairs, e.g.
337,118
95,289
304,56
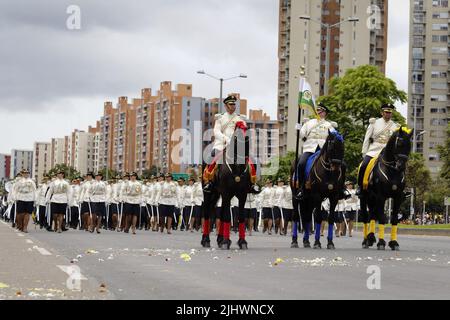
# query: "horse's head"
334,149
399,146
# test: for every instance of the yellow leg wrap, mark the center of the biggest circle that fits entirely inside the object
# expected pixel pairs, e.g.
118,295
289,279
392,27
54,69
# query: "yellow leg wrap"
381,231
366,230
254,179
372,226
394,233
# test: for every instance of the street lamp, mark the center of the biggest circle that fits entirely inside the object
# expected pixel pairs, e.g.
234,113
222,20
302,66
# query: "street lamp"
202,72
328,28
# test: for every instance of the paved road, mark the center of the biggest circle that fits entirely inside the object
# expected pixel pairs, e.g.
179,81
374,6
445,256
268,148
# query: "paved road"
150,266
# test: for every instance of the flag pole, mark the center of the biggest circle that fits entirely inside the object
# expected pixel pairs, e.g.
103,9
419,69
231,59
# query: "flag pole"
299,121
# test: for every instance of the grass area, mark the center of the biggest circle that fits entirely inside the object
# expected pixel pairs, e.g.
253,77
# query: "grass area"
432,227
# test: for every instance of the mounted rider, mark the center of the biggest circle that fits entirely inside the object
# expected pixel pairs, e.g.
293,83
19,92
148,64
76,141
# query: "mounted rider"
225,126
377,136
314,134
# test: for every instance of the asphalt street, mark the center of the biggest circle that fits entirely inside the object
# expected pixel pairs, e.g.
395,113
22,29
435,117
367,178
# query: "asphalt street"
158,266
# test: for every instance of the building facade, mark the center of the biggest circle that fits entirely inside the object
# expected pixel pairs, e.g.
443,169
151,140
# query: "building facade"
5,166
59,151
41,160
303,43
21,159
429,95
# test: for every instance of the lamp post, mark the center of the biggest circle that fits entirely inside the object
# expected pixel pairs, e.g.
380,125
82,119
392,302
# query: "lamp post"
221,80
328,28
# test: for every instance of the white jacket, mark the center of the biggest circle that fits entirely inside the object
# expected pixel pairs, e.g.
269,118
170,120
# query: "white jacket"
41,194
352,203
234,202
59,192
167,194
340,206
188,196
131,192
85,191
266,197
287,198
197,194
98,191
380,132
316,133
219,203
74,195
180,195
224,128
278,196
148,193
24,190
251,202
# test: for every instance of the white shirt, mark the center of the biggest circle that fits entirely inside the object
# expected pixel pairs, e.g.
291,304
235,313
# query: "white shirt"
224,128
340,206
326,205
180,195
148,193
167,194
352,203
251,202
266,197
316,133
75,195
40,194
59,192
188,196
85,191
380,131
131,192
24,190
278,196
197,194
234,202
98,191
287,198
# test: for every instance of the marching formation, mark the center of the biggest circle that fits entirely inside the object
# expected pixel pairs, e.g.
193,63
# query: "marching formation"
228,198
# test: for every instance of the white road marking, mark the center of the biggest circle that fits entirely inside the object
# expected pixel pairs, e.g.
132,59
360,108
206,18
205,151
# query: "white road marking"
70,269
42,251
20,235
28,241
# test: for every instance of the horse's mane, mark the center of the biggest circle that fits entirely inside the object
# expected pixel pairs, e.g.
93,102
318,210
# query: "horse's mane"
334,134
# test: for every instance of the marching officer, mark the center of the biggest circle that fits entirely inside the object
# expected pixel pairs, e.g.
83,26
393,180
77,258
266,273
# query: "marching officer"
250,211
377,136
75,203
224,129
86,209
113,199
266,200
58,196
25,194
197,200
98,202
167,198
287,207
188,204
314,134
132,197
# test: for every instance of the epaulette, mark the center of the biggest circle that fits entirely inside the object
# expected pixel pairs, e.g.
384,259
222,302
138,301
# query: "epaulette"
218,116
334,124
372,120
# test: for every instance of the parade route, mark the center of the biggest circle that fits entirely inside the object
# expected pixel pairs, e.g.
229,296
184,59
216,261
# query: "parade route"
158,266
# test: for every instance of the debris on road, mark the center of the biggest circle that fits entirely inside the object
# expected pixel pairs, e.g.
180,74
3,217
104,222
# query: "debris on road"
186,257
91,251
4,285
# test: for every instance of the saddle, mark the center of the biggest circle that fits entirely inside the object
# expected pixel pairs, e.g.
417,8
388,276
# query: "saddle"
309,164
369,173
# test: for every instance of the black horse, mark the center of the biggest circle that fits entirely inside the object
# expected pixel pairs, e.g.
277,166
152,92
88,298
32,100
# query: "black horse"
326,180
232,179
387,181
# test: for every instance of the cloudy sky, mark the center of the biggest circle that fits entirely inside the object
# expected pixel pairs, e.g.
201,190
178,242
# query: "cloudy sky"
53,79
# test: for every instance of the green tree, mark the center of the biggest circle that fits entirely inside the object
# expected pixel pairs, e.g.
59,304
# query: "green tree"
70,173
285,164
108,173
435,197
418,177
356,98
444,152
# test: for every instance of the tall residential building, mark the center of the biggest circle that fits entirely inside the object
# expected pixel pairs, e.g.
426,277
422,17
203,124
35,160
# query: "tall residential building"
429,94
93,161
81,151
144,130
59,151
265,137
41,160
5,164
303,42
21,159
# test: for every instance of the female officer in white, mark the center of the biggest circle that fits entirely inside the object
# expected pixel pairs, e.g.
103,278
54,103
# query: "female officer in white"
314,135
98,202
167,198
25,194
132,197
85,200
197,200
266,201
59,196
287,207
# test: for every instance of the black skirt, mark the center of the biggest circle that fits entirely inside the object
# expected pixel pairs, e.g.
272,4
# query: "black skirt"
85,208
267,213
25,207
131,209
166,211
58,208
98,208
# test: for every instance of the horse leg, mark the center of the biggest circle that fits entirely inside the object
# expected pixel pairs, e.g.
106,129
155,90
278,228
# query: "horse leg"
207,208
295,223
306,216
225,224
318,221
371,239
331,220
393,244
243,245
381,226
364,220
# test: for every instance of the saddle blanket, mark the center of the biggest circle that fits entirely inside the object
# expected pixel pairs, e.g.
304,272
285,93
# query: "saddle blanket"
310,163
368,173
